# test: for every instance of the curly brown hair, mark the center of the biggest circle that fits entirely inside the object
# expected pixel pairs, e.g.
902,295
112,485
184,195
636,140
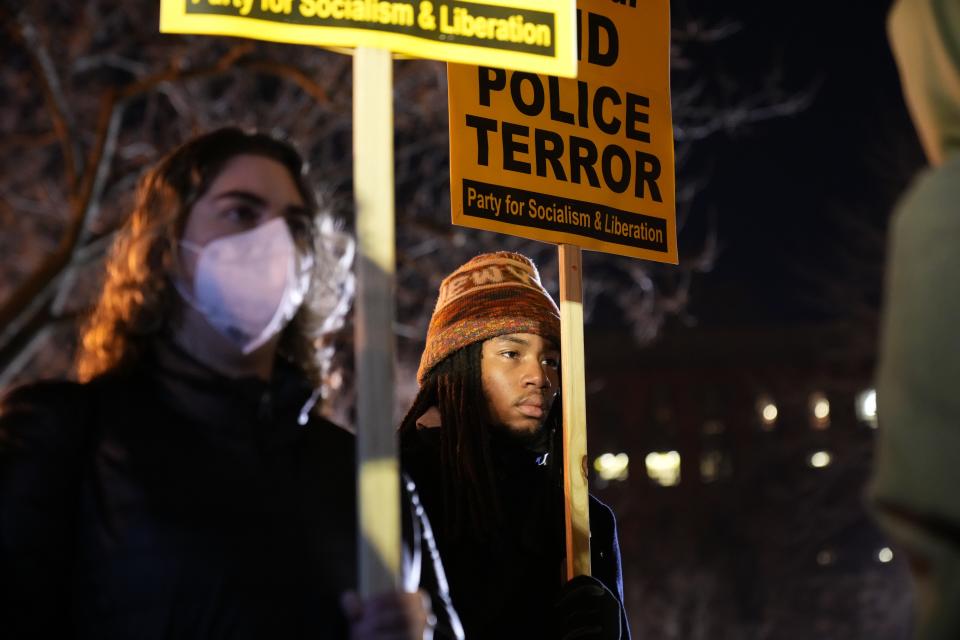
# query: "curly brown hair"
138,299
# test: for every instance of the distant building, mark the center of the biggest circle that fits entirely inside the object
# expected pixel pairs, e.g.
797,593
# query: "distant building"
736,462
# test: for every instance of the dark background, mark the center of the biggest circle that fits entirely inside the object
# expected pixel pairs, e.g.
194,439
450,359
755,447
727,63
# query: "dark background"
793,143
800,198
800,206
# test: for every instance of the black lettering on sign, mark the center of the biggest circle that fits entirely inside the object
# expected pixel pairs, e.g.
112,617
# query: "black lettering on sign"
535,106
569,158
648,170
603,41
490,80
583,155
634,115
616,184
557,114
483,127
552,154
554,213
511,147
609,110
606,93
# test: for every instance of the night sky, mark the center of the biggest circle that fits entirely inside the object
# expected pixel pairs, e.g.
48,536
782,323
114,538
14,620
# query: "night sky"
802,201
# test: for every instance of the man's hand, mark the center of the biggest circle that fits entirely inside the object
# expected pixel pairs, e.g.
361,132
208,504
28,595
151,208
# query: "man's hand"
393,615
586,610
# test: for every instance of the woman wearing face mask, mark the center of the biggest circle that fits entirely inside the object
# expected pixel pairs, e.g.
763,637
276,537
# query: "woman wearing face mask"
187,487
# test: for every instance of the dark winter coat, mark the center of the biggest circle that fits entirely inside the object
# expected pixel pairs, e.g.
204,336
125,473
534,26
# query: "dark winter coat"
121,516
507,588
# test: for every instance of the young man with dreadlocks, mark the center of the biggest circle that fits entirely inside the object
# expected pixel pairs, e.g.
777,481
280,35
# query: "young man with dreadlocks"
481,442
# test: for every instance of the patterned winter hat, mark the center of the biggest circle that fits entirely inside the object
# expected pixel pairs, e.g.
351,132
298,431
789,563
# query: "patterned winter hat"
491,295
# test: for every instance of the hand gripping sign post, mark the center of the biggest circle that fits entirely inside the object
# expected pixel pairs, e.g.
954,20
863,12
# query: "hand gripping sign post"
534,35
580,163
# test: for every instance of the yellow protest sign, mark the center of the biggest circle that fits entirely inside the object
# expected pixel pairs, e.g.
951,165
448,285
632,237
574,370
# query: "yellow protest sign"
532,35
587,162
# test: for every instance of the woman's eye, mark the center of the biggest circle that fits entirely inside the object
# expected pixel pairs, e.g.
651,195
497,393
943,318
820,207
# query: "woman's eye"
553,363
242,214
510,354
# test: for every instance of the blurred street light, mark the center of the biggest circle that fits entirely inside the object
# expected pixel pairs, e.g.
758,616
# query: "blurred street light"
768,412
819,410
664,467
866,406
612,467
820,459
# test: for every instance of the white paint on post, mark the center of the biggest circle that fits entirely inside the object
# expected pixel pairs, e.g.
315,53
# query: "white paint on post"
378,482
575,490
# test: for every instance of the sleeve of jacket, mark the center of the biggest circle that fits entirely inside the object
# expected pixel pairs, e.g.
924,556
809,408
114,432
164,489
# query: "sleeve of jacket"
605,556
423,568
41,437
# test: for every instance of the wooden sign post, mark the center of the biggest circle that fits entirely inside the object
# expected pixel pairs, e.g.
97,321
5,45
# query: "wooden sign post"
378,477
575,489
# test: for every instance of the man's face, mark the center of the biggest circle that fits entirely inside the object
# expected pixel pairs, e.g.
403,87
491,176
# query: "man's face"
520,374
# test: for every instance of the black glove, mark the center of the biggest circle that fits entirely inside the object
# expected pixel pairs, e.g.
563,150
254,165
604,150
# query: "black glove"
585,610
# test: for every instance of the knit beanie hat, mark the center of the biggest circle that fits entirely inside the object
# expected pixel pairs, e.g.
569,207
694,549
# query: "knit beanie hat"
491,295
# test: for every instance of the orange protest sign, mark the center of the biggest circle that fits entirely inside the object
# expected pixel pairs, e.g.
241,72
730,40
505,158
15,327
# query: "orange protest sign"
587,162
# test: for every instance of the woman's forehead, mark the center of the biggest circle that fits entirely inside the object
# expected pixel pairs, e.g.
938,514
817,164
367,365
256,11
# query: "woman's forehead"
259,175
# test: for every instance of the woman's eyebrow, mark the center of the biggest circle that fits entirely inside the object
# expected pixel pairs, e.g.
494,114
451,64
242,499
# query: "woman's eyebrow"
239,194
253,199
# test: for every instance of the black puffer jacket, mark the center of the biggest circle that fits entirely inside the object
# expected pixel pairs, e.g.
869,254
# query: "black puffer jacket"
507,588
124,516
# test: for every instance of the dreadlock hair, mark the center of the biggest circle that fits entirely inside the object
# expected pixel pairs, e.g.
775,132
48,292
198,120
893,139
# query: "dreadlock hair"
471,505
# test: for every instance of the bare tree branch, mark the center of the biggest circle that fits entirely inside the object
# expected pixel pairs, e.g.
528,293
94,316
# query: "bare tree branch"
60,114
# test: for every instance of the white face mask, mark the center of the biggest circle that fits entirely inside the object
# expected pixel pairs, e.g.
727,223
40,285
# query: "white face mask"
249,285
